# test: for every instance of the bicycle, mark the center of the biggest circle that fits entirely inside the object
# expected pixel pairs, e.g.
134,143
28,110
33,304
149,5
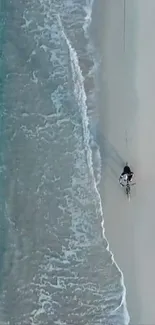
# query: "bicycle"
128,189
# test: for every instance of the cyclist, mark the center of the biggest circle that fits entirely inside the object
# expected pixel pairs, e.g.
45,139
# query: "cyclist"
127,175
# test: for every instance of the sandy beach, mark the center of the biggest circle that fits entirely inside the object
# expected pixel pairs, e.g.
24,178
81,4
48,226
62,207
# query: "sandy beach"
124,34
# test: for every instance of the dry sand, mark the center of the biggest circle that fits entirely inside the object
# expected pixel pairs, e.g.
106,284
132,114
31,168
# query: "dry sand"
125,33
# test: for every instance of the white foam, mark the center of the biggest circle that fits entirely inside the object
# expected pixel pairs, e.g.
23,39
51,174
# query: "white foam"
81,98
60,322
27,22
80,95
44,47
88,10
34,79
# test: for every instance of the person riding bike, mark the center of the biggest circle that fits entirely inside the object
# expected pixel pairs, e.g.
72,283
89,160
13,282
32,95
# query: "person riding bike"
127,175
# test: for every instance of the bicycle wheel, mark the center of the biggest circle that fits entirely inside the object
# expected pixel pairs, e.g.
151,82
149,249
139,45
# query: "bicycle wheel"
128,191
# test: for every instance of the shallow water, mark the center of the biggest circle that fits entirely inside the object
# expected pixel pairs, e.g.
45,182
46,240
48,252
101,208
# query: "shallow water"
55,266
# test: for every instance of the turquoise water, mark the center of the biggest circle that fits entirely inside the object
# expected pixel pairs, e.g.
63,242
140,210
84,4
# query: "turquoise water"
56,267
3,221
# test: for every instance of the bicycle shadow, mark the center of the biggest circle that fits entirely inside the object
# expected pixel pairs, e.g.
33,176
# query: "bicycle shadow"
110,156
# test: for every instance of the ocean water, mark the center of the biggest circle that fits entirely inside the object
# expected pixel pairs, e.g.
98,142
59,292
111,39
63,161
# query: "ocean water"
55,264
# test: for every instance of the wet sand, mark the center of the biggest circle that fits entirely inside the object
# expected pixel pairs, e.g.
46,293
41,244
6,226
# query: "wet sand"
124,34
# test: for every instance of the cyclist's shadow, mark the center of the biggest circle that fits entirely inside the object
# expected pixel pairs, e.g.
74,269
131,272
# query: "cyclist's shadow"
110,156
